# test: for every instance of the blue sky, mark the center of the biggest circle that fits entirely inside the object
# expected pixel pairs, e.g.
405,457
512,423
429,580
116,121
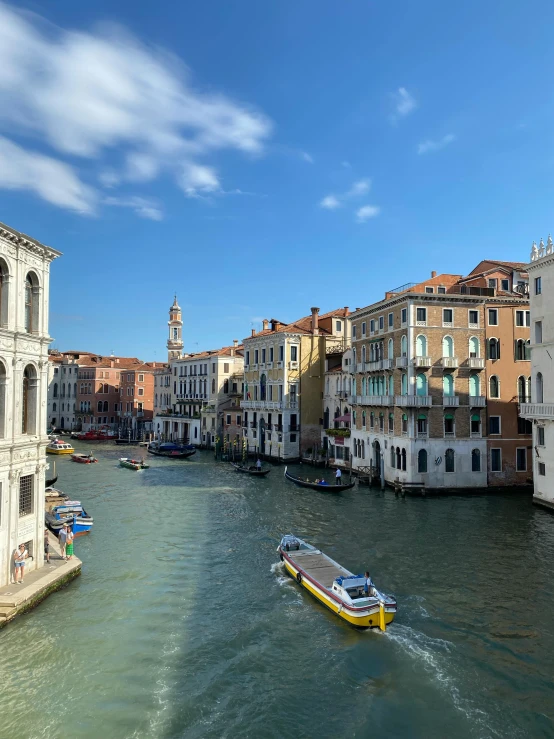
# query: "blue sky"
261,158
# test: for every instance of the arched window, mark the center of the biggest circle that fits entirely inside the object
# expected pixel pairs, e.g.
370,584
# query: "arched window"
404,346
105,406
74,389
354,357
494,387
391,423
522,389
404,423
364,386
403,460
55,389
448,385
421,346
100,406
422,425
398,459
421,384
494,349
527,354
390,349
474,347
381,421
363,419
449,457
474,386
213,386
371,420
520,350
31,302
29,401
364,354
539,388
475,460
392,457
263,384
391,385
404,384
476,424
422,460
54,407
447,346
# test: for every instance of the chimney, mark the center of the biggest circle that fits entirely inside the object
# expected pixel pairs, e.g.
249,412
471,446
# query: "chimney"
265,323
253,332
315,321
235,342
346,310
274,323
112,362
433,274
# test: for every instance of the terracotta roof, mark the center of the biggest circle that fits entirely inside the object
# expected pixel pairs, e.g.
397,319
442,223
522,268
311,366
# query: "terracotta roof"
225,351
485,265
303,325
95,360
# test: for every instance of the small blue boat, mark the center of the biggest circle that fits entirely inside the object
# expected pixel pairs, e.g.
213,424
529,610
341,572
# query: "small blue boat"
72,513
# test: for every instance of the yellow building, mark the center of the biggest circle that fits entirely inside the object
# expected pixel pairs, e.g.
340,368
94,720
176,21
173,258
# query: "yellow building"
284,370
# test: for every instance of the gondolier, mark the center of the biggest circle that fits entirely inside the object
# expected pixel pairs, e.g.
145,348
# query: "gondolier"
258,465
338,476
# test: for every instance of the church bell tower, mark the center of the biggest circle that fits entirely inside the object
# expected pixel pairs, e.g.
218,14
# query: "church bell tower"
175,339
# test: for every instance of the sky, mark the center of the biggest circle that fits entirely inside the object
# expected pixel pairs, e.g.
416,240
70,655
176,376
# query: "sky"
260,158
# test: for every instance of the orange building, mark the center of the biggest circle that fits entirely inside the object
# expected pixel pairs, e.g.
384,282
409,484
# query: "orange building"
98,396
137,398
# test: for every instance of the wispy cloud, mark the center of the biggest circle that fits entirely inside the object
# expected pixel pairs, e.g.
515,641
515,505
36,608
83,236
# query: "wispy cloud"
430,145
307,157
361,187
86,94
143,207
404,104
346,164
358,188
366,212
330,202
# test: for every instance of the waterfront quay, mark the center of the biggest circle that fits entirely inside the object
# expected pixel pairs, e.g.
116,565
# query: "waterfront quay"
184,623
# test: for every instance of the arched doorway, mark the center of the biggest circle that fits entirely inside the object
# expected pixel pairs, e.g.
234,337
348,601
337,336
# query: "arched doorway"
377,455
62,422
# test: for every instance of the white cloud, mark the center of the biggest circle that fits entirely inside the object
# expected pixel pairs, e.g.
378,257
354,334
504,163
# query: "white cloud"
366,212
404,103
86,94
430,145
143,207
330,202
109,178
307,157
359,188
50,179
346,164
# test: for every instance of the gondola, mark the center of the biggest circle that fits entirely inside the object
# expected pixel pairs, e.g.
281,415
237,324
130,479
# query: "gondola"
171,450
251,470
318,486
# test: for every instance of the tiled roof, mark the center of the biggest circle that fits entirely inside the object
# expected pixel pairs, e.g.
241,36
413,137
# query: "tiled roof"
303,325
225,351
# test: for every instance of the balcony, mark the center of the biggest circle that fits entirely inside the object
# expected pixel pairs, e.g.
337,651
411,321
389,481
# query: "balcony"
413,401
280,364
401,361
294,429
421,434
278,426
476,363
422,361
359,367
537,410
477,401
267,405
451,401
293,364
269,365
342,394
449,362
381,364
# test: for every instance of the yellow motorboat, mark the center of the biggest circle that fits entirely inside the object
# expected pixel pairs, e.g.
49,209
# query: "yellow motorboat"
348,595
59,447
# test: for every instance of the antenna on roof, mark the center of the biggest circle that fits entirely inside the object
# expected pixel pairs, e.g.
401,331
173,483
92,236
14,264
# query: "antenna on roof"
112,354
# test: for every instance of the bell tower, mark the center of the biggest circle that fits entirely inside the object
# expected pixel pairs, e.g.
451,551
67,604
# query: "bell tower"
175,339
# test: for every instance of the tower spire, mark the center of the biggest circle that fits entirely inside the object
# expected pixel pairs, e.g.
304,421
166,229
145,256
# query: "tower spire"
175,338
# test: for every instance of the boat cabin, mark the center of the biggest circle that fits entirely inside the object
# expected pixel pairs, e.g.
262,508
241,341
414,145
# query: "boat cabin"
350,588
292,544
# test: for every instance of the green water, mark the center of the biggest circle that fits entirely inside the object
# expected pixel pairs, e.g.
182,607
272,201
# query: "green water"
184,625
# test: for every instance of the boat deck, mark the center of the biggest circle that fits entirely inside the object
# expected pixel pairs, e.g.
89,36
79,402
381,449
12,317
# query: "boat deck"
316,565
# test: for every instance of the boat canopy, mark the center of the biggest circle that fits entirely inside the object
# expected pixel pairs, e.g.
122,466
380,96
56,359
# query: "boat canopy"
358,581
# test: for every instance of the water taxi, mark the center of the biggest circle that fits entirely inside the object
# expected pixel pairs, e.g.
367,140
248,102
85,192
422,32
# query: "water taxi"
336,587
84,458
59,447
133,464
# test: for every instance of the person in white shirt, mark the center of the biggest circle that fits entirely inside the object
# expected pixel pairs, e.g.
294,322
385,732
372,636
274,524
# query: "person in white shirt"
338,476
368,587
19,557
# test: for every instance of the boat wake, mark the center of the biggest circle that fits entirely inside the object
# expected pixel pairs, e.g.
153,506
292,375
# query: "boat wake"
278,569
434,656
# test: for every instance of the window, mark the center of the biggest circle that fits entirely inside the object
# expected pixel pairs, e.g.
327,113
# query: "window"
539,388
31,304
520,318
141,391
404,346
421,384
391,320
55,389
294,353
449,458
476,424
403,460
422,424
538,332
494,349
542,469
338,326
391,423
474,386
474,350
381,323
141,378
421,346
422,461
494,425
447,346
475,460
247,358
404,423
448,385
390,349
506,285
429,289
354,332
492,282
524,426
281,353
28,400
473,318
441,290
404,316
228,419
256,358
521,459
213,386
493,317
449,425
538,285
447,316
494,387
363,328
421,316
26,497
496,460
540,435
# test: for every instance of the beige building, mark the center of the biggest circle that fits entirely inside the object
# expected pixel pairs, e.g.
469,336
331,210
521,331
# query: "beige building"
284,370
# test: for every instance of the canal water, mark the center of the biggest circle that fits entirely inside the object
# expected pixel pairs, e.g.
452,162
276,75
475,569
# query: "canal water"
183,623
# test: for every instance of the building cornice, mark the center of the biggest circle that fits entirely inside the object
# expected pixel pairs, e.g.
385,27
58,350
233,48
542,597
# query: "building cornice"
35,247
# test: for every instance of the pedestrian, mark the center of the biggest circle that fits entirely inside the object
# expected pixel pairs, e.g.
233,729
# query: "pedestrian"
69,544
338,476
46,546
62,536
19,557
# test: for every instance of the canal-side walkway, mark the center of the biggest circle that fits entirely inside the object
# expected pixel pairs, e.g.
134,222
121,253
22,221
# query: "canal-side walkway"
37,585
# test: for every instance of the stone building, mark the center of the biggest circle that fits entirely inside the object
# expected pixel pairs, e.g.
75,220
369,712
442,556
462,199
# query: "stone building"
63,370
539,408
24,340
284,368
136,400
439,365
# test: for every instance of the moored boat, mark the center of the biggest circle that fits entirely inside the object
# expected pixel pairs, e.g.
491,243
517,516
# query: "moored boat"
251,470
170,449
51,480
83,458
322,485
70,512
59,447
336,587
133,464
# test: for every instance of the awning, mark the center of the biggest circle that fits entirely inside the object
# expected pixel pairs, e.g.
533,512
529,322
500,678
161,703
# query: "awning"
346,418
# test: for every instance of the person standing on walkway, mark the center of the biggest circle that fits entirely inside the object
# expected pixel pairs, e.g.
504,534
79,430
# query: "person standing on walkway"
62,536
19,557
46,546
338,476
69,544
